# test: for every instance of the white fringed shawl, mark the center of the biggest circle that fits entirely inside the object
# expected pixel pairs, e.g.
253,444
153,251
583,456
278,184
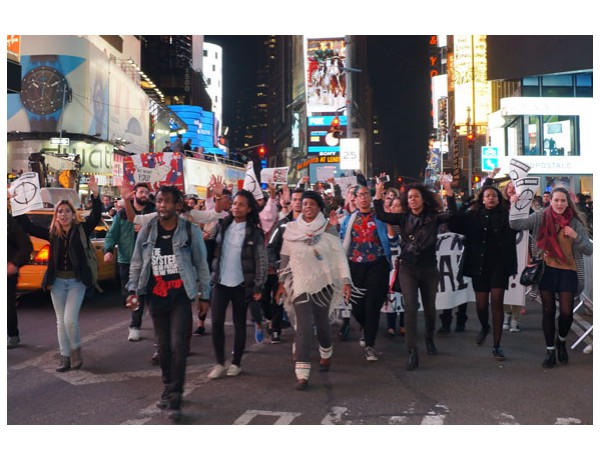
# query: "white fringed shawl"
316,261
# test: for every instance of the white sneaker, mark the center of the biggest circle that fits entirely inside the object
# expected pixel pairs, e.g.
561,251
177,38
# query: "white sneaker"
514,326
370,354
507,321
134,335
589,349
233,370
216,372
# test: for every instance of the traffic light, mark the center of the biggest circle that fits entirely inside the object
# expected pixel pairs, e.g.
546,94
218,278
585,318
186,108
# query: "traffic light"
470,139
476,179
335,123
262,151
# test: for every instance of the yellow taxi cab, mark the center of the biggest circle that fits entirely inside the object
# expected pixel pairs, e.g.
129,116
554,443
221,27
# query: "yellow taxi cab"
32,274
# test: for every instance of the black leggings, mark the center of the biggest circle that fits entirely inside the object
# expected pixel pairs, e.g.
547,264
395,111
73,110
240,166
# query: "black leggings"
482,301
565,317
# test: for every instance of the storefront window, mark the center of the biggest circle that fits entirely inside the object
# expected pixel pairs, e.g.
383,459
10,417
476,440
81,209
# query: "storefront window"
559,136
531,138
557,86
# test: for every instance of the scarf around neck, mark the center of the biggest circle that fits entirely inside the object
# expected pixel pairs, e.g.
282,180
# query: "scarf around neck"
306,231
547,239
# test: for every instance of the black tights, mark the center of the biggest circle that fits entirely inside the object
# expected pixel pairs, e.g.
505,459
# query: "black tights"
482,301
565,317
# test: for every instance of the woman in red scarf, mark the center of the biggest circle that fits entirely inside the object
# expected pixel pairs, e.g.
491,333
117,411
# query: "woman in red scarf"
559,234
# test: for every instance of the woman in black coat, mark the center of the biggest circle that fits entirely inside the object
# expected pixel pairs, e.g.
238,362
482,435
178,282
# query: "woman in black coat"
490,258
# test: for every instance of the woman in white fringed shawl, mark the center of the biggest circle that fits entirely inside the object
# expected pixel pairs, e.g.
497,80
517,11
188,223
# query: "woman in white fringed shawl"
314,276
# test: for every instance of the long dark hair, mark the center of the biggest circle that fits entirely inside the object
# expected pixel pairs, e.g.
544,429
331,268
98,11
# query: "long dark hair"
253,217
430,203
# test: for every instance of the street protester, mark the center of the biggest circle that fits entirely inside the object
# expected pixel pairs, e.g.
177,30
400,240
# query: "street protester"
366,243
239,272
559,236
169,267
490,258
314,276
417,269
122,234
68,275
18,251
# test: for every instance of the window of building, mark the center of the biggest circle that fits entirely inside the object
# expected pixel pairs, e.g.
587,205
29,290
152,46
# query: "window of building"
584,85
557,86
548,135
205,53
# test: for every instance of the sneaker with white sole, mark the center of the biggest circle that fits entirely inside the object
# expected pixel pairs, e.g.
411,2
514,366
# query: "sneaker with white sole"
362,341
233,370
275,337
216,372
506,324
370,354
514,326
134,335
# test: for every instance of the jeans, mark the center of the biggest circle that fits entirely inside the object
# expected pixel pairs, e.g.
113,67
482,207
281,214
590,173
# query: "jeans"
11,306
412,280
124,278
67,296
307,314
374,278
172,318
219,299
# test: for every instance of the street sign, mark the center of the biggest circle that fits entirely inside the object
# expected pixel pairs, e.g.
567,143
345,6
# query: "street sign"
350,153
489,158
59,140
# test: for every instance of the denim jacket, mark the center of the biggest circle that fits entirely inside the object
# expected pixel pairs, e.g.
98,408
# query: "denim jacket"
190,256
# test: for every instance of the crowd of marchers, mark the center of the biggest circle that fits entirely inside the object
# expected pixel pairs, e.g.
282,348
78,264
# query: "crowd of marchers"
291,256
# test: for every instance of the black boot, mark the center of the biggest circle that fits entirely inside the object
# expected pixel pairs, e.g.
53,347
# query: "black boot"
446,323
413,359
431,349
550,359
483,333
65,364
561,350
461,321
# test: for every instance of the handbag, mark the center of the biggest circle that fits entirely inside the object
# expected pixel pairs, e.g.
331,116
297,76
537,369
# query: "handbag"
532,273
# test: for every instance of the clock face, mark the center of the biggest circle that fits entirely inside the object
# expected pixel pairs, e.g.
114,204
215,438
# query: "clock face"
43,90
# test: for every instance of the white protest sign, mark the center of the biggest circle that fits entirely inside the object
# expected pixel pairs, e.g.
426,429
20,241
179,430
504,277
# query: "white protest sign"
25,194
526,189
274,175
517,170
345,183
251,184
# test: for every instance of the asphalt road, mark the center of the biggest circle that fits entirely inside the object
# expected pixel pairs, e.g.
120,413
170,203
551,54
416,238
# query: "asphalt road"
462,385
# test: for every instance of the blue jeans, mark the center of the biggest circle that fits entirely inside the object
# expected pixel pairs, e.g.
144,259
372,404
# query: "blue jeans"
67,295
172,318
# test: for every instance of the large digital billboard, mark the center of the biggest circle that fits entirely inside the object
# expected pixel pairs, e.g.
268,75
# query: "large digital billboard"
325,75
324,134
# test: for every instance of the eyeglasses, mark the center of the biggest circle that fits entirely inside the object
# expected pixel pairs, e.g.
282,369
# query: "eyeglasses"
363,195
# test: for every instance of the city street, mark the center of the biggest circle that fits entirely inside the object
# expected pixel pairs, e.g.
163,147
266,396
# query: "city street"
462,385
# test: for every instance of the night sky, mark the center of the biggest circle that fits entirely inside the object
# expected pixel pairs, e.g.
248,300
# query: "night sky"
399,77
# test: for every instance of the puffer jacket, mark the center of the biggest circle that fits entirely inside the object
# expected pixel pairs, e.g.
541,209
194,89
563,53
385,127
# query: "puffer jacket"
253,257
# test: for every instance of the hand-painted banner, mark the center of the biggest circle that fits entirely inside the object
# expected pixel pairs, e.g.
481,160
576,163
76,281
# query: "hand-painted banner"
454,290
156,169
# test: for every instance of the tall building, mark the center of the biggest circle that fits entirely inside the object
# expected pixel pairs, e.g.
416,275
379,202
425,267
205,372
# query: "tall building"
212,68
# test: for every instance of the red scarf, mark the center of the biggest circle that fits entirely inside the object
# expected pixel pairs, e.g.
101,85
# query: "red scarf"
547,238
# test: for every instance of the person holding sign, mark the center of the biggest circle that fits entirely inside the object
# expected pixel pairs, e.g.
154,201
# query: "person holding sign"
560,236
68,274
490,257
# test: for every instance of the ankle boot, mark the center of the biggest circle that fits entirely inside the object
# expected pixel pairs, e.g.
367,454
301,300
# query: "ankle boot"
65,364
413,359
431,348
550,360
76,361
561,350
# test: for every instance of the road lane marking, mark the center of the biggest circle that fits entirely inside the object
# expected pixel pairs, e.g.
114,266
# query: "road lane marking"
283,418
335,416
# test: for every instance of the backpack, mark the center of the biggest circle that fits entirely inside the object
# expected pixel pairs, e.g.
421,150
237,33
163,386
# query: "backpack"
90,257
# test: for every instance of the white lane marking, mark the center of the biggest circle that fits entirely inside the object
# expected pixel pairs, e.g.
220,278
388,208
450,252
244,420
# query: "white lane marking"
283,418
505,419
335,416
567,421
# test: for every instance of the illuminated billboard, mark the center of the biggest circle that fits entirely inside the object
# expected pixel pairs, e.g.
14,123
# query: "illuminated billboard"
325,75
324,135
